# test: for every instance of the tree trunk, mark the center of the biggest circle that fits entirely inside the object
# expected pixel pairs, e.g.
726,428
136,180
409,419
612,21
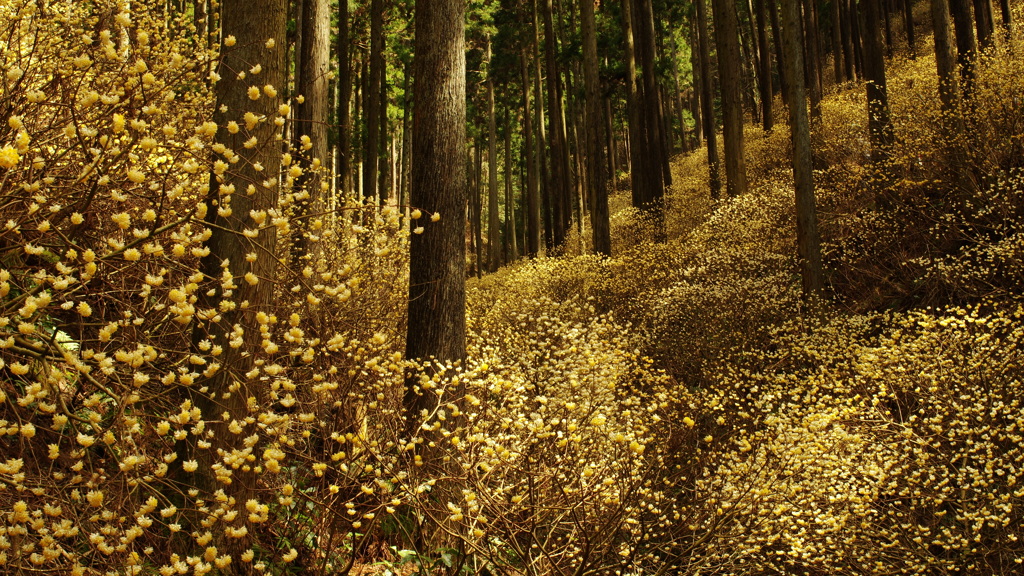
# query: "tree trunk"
344,174
808,241
879,124
406,140
251,22
908,23
812,63
846,35
1004,8
511,242
310,122
371,155
654,148
437,300
945,59
599,222
985,24
696,74
857,38
765,68
707,100
965,42
530,158
558,183
727,43
638,170
476,189
773,15
493,219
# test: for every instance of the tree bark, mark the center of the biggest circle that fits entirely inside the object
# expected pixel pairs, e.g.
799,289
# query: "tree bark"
530,158
599,219
638,171
846,35
945,58
311,122
437,300
344,174
707,101
252,23
879,125
371,155
558,183
808,241
966,43
727,42
659,174
493,218
765,68
984,22
511,241
908,23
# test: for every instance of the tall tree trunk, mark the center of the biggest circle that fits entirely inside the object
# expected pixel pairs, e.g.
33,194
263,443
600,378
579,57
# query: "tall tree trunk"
609,131
311,120
908,23
879,124
344,174
765,69
966,44
638,170
437,299
696,74
493,219
595,161
1004,9
542,140
773,15
812,62
984,22
531,154
727,42
846,35
511,242
945,58
476,189
883,10
406,139
857,38
707,100
371,156
558,187
251,22
659,175
808,241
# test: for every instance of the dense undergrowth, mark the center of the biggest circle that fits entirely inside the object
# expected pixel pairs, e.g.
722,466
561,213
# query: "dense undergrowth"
674,409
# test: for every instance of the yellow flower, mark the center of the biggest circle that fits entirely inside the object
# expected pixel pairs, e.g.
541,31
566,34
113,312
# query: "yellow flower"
9,157
254,93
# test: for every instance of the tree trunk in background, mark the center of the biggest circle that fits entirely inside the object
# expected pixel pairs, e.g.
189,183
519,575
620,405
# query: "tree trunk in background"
879,124
846,35
530,158
542,161
984,22
837,44
812,62
765,69
638,170
251,22
609,132
773,15
707,101
908,22
476,189
406,139
965,42
558,183
493,218
1004,8
310,121
344,169
727,43
643,28
883,11
857,38
437,296
695,86
372,102
598,180
511,241
808,241
945,58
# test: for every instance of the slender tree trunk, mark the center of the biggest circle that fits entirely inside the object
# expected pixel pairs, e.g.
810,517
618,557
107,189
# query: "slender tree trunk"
531,154
908,23
1004,8
945,58
476,189
558,183
251,22
638,171
812,62
808,241
696,73
984,22
727,42
659,171
511,241
846,35
883,10
344,175
599,220
707,100
406,139
773,15
858,38
437,318
493,218
609,130
765,69
371,156
837,44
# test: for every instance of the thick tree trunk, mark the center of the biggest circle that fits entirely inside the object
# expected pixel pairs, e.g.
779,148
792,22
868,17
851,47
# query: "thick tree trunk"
437,299
808,241
846,35
945,58
251,22
966,44
908,24
879,124
727,42
707,101
598,180
984,22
